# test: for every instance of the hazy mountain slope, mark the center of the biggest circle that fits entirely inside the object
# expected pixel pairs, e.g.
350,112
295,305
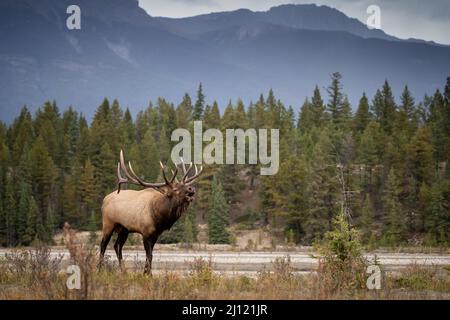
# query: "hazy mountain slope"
309,16
119,52
122,52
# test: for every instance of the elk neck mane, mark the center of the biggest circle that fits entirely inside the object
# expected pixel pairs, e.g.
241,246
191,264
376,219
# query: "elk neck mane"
171,209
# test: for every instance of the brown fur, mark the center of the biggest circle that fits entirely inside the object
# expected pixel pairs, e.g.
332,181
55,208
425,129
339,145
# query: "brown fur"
148,212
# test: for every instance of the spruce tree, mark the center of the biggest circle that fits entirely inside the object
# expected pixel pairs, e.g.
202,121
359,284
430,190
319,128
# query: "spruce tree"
87,190
394,222
438,218
212,117
50,225
184,112
367,219
218,215
22,211
407,105
128,130
43,173
324,189
10,212
335,97
105,173
32,219
317,108
362,116
199,104
306,117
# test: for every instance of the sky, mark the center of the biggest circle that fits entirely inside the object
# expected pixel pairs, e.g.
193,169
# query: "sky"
427,20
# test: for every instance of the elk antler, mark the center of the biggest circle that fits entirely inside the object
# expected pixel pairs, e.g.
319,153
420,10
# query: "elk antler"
185,171
133,177
191,180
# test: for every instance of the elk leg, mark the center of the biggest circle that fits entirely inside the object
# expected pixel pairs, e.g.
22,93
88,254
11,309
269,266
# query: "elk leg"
121,239
103,245
149,243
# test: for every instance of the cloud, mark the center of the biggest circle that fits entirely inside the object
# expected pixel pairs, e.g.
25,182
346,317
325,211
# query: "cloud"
428,20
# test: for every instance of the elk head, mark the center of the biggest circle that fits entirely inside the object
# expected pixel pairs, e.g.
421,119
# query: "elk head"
181,191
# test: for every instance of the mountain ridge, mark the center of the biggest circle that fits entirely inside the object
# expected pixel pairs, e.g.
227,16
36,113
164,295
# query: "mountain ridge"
297,16
122,52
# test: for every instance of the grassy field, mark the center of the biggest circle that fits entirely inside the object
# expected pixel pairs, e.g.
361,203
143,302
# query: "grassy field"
35,274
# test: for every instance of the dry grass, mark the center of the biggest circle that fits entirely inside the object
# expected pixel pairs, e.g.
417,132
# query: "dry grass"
35,275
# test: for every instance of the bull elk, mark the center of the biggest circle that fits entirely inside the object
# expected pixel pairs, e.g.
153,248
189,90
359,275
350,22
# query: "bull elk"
149,211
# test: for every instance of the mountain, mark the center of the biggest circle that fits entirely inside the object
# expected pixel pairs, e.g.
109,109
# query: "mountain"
308,16
122,52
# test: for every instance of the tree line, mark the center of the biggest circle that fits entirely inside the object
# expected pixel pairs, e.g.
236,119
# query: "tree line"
388,160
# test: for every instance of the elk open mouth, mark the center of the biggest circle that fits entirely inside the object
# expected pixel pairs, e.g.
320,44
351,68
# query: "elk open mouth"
190,196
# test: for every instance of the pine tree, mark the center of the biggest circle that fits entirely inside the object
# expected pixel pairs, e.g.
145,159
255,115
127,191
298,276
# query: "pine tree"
22,212
4,165
420,156
70,200
83,143
43,173
9,211
93,227
87,192
317,108
323,186
335,100
146,157
212,117
105,174
101,132
362,116
190,227
71,131
199,104
128,130
370,151
21,134
438,122
290,191
306,117
218,215
394,222
32,218
184,112
384,107
407,105
49,127
260,113
164,145
367,219
49,225
438,217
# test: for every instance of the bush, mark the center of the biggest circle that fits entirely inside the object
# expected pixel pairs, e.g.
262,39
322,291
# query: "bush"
342,267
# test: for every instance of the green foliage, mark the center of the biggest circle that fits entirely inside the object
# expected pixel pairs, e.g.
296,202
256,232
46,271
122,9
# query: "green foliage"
393,160
342,265
394,219
199,104
218,215
362,116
